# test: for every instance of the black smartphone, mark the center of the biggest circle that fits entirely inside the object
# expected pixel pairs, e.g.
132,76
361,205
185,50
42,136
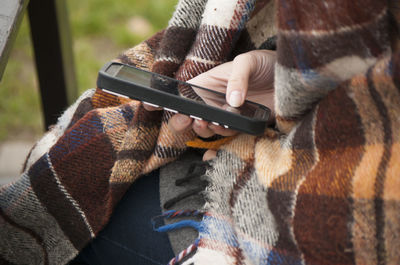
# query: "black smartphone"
181,97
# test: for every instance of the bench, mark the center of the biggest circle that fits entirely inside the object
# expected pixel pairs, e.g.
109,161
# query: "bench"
52,45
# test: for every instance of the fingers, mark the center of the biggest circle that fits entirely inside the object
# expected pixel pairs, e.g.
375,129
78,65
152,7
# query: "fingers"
242,67
209,154
206,130
201,129
179,123
251,72
221,130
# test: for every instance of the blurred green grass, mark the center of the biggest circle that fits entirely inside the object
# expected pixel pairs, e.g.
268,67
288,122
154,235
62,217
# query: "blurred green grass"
101,30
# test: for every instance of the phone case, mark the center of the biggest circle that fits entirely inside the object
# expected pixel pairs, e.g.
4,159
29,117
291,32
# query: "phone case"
171,101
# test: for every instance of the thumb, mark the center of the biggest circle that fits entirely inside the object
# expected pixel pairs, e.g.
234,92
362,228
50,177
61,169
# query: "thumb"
242,67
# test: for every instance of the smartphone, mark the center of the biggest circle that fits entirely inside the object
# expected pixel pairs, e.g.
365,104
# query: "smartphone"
181,97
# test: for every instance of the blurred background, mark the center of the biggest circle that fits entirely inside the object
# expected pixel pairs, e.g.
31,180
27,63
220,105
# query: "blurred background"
101,30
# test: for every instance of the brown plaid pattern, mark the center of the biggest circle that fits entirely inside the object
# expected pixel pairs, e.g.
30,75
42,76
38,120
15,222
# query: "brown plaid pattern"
320,188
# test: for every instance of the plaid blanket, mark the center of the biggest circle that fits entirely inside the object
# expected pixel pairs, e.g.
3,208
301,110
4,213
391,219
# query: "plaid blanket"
322,187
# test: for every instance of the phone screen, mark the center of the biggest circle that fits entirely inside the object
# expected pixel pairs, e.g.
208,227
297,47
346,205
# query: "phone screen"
186,90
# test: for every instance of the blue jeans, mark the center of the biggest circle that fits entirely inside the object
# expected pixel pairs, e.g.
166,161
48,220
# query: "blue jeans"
129,237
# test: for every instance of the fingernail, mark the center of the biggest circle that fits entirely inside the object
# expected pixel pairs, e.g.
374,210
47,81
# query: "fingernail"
235,98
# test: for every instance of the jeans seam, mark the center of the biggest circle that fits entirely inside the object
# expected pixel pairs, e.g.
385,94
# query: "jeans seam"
129,250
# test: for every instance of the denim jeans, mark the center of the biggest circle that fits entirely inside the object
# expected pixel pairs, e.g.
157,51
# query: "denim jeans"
129,237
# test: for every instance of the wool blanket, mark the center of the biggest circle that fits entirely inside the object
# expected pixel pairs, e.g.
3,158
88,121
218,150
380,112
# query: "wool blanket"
321,187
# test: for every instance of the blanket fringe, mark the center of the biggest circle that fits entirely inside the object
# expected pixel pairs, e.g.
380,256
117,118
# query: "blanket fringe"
186,252
184,223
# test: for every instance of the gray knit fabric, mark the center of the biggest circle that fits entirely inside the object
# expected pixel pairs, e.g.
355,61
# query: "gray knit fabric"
182,238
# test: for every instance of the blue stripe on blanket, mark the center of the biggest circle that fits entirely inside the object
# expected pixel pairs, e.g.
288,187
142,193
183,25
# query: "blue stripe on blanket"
219,230
215,228
249,6
81,133
278,257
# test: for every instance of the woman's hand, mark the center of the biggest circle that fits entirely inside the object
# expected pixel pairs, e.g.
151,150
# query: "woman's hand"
249,76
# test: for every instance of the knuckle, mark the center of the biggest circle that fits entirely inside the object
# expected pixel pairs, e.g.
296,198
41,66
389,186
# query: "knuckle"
245,57
202,131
